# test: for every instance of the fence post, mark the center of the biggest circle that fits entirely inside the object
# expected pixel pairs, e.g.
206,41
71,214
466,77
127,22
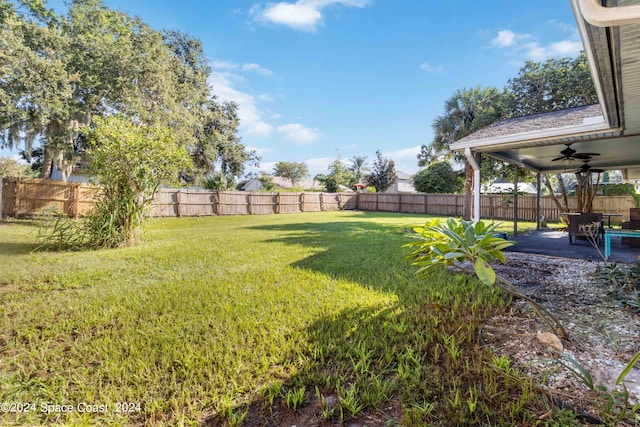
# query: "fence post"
216,203
377,198
301,202
425,204
18,190
278,202
322,202
249,206
75,199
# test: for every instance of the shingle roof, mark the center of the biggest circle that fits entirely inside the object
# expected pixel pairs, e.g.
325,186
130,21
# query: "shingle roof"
537,122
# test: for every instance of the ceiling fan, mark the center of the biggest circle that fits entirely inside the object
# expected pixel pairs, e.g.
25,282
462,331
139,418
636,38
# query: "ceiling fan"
586,168
571,154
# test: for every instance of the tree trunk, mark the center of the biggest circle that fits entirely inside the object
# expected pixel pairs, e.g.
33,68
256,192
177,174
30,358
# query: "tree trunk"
559,205
468,192
47,163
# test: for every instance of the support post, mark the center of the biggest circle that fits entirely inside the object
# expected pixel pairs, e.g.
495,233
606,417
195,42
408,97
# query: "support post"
476,183
1,197
76,199
515,200
539,185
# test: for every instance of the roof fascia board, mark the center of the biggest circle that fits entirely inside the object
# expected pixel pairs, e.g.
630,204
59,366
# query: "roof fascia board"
600,16
588,49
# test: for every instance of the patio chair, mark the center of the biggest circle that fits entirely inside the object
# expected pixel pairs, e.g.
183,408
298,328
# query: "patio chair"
634,224
575,221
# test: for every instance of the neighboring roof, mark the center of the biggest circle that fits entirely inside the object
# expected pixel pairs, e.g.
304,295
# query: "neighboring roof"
285,183
403,175
507,187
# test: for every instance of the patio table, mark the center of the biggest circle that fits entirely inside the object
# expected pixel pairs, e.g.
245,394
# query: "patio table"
609,232
609,217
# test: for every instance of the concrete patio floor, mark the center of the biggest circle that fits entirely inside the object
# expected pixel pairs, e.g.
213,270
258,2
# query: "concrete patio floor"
556,243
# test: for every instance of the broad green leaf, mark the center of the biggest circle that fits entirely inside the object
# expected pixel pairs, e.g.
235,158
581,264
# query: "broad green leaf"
628,368
470,236
484,272
453,255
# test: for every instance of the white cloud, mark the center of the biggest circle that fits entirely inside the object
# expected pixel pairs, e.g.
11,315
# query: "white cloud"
566,47
302,15
260,151
430,68
318,165
223,65
250,119
257,68
406,159
299,134
504,38
224,77
521,44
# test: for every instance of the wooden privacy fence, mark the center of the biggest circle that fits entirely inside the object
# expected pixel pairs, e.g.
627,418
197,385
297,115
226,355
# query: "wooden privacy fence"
496,206
29,197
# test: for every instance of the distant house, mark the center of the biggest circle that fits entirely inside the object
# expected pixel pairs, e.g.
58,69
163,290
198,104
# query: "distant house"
507,187
254,184
402,185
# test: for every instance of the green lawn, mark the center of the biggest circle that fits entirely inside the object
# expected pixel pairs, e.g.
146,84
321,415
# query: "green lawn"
278,317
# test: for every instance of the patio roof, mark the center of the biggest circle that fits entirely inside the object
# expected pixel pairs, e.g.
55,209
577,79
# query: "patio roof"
611,128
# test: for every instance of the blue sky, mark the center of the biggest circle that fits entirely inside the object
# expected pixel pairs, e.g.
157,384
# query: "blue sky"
320,78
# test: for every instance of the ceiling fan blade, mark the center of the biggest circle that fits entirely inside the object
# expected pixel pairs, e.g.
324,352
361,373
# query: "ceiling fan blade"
594,170
585,156
560,158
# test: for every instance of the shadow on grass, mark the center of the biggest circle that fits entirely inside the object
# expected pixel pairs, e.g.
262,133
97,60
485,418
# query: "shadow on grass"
367,253
12,248
417,360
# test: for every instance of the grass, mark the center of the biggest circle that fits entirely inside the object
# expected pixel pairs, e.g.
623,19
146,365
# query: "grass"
222,319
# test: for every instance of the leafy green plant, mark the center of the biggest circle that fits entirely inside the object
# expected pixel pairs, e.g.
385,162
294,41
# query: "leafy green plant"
130,162
626,279
294,398
614,404
451,244
236,418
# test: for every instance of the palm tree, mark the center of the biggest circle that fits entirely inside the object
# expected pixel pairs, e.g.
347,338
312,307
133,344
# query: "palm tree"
359,167
465,112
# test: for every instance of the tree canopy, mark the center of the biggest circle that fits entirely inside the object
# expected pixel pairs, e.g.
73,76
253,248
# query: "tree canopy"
339,175
60,71
552,85
538,87
440,178
383,173
293,171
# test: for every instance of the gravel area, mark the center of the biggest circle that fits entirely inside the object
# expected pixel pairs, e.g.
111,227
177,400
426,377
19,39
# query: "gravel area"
603,335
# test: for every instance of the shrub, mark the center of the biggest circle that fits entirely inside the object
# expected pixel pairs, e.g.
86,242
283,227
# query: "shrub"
130,161
459,241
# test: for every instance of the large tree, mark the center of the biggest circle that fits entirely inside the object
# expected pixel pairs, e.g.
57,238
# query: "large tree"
293,171
439,177
552,85
383,174
555,84
339,175
358,167
59,71
465,112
